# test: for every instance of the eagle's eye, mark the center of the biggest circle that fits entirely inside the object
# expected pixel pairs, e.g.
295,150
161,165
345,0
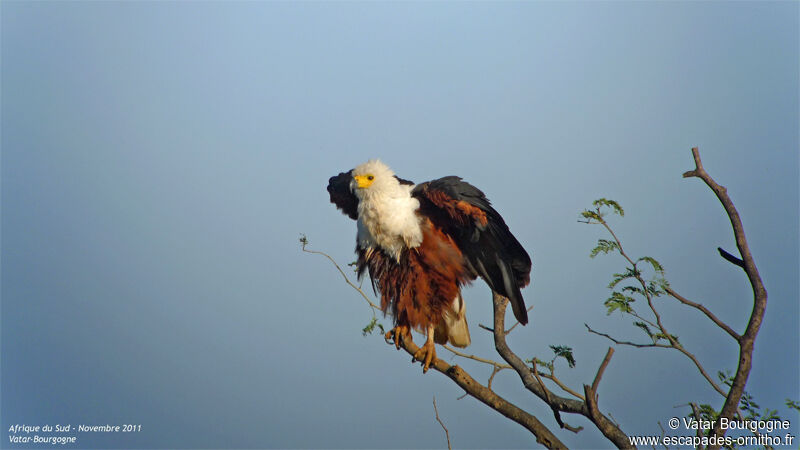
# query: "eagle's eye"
370,177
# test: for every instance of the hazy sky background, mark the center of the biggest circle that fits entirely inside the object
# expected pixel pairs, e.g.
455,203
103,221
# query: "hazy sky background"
160,160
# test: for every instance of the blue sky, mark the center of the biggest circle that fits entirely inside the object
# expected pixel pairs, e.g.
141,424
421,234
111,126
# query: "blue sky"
160,160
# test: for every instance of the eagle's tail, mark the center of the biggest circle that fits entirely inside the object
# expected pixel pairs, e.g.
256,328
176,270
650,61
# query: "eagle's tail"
453,327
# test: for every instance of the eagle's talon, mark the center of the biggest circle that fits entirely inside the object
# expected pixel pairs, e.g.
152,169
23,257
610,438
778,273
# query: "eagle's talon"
426,354
397,333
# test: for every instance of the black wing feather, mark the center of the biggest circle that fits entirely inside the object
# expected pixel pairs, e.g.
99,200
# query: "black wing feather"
491,251
342,196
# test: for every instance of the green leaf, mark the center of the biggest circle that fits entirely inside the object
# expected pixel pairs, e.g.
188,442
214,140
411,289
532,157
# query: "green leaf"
725,377
633,290
706,413
770,414
656,287
591,215
659,336
656,265
619,301
539,362
605,246
600,202
562,351
792,404
371,327
645,328
629,273
354,266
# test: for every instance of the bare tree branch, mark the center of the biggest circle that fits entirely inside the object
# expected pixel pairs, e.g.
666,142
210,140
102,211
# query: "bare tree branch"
705,311
476,358
560,384
702,370
696,412
471,387
543,435
587,404
556,413
746,341
608,428
632,344
663,433
602,368
446,433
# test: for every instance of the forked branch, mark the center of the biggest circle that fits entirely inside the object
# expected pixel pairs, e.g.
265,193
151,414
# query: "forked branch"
587,404
475,389
472,387
746,340
559,404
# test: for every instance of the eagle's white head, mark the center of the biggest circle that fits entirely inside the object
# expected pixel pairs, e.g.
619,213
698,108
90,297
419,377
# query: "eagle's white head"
375,179
387,213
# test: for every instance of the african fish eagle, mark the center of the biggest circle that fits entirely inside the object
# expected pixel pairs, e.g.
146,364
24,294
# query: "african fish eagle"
421,243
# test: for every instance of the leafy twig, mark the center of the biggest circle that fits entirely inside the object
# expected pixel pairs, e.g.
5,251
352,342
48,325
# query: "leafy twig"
617,341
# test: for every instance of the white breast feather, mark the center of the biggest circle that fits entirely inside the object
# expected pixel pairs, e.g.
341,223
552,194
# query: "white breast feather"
387,215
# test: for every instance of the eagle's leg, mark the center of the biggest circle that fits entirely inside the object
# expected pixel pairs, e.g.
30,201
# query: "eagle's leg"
427,353
400,331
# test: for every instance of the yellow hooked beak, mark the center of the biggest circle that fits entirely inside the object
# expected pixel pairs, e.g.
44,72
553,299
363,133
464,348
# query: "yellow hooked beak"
364,181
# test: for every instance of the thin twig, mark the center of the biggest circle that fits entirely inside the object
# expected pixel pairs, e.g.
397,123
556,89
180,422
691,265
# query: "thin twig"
544,388
704,310
643,319
613,419
346,278
663,433
617,341
696,411
476,358
609,430
446,433
702,370
560,384
677,346
556,412
517,322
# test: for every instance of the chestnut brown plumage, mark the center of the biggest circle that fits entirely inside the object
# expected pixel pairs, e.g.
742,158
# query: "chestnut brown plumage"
419,265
